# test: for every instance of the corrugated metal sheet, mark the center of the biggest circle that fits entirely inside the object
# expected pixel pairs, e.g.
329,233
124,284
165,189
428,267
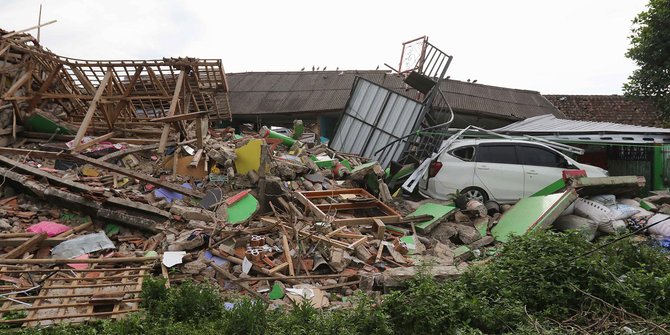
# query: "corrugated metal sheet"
374,117
323,91
552,125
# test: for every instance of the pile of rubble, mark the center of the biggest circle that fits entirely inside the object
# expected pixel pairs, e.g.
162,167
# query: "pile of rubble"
278,217
283,219
274,215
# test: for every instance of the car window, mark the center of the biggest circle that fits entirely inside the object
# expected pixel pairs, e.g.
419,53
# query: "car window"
464,153
532,155
497,153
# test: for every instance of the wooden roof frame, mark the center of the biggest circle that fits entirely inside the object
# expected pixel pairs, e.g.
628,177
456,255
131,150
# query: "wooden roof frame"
102,92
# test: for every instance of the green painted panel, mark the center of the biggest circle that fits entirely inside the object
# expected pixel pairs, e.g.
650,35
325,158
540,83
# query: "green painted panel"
436,210
532,214
551,188
658,170
42,124
242,210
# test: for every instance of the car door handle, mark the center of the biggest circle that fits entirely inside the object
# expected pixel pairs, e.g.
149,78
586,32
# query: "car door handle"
533,172
483,167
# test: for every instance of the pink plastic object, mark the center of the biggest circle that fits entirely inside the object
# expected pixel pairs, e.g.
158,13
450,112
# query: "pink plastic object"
79,266
51,228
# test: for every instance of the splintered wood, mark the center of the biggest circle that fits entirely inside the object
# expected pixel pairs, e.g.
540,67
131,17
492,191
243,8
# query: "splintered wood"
69,295
105,97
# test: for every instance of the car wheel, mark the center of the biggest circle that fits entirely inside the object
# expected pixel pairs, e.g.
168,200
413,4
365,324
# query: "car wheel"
475,193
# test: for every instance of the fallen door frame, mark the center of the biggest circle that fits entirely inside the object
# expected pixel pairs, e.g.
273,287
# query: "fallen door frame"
307,197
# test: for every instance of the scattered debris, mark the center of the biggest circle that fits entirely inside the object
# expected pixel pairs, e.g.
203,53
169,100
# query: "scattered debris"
278,217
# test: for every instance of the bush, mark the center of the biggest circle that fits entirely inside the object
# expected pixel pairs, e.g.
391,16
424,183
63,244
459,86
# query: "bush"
537,282
538,275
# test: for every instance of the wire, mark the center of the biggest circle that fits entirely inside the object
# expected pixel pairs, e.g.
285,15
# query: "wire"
617,240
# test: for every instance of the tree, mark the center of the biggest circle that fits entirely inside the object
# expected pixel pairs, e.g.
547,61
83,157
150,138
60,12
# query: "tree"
650,49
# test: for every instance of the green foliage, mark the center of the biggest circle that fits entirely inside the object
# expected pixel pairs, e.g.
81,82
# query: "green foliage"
534,283
190,303
650,49
538,275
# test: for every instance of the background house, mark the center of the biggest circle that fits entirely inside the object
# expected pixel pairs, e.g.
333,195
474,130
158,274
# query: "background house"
607,108
276,98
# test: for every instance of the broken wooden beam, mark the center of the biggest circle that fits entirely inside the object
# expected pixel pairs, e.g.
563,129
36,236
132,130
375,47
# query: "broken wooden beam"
134,174
287,255
93,142
24,247
179,117
51,178
80,261
17,241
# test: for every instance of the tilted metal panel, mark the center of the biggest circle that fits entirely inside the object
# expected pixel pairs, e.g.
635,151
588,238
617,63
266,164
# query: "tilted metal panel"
374,117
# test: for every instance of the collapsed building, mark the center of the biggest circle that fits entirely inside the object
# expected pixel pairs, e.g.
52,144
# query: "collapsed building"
114,170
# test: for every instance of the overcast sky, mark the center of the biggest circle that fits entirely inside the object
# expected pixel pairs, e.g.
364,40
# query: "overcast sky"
555,47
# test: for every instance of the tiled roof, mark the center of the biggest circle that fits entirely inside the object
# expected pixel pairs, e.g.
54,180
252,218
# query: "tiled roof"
322,91
607,108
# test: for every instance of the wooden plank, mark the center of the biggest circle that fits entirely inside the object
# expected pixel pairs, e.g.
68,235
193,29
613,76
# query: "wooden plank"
79,261
17,241
51,178
28,29
17,85
15,235
69,316
332,193
83,146
92,108
347,206
45,85
134,174
138,205
379,229
77,270
25,246
55,306
359,242
180,117
196,158
201,125
31,153
364,221
287,255
76,229
335,243
308,204
171,111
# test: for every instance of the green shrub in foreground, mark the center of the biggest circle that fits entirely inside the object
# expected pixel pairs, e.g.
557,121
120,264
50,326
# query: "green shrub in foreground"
535,280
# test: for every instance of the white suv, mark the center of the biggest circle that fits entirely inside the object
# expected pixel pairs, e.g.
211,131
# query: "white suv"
497,169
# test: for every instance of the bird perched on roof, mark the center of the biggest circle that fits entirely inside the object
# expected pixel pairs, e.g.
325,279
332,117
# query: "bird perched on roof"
312,67
341,73
468,80
317,68
303,69
337,68
377,67
324,68
474,81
